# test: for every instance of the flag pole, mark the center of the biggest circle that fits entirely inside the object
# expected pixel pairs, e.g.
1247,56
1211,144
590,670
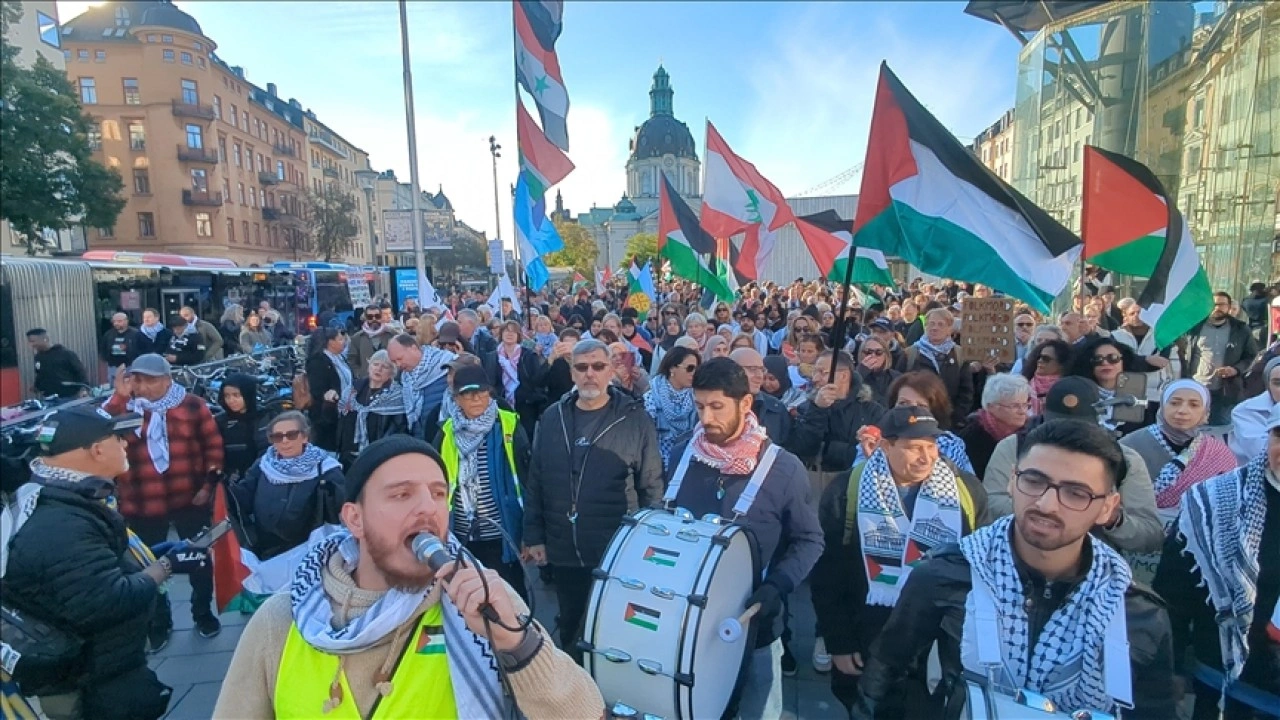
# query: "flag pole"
837,337
419,254
515,90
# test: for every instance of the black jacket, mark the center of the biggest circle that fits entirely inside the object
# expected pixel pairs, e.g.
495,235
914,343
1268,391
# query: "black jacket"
242,439
1241,349
788,538
1192,615
530,396
187,349
557,381
377,426
879,381
323,377
118,348
831,430
955,375
70,566
774,417
56,366
848,624
622,472
159,346
978,445
931,608
283,515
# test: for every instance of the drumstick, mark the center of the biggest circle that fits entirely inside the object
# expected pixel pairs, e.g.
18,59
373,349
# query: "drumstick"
750,612
730,629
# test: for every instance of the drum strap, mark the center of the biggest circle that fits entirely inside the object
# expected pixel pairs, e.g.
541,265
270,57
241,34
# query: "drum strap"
1115,650
748,496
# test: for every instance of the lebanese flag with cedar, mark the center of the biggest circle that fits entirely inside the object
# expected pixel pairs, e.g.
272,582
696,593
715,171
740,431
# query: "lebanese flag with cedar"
736,199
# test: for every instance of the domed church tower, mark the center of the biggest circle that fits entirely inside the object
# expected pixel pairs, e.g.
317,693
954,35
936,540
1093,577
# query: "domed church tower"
662,144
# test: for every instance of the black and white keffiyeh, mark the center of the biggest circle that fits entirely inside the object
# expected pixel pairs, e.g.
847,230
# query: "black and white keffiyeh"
472,665
157,425
935,353
469,434
1221,522
385,401
344,374
311,463
891,542
1066,664
413,382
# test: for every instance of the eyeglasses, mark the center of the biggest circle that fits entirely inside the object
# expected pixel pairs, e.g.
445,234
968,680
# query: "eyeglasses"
1112,359
1072,496
872,353
595,366
276,437
1014,406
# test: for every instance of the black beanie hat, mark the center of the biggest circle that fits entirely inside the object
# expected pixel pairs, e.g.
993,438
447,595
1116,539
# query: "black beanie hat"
379,452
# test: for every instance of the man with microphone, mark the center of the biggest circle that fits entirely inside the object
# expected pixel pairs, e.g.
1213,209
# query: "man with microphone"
368,626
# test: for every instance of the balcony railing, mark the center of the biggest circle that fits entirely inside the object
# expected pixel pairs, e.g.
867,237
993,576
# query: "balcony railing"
270,213
328,142
285,150
267,178
199,155
331,172
196,110
197,198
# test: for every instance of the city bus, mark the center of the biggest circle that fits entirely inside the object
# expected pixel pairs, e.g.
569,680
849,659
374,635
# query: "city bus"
320,285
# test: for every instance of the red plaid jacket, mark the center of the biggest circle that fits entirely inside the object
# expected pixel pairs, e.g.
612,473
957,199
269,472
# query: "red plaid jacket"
195,449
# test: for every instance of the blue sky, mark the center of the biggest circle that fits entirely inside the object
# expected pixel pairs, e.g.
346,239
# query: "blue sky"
789,85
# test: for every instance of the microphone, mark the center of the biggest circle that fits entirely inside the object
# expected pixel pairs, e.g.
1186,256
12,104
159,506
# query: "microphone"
430,551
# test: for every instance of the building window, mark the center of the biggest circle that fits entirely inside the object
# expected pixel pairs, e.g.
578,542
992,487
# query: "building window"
226,190
186,58
222,148
107,232
245,117
244,230
141,182
240,187
235,155
82,55
151,37
231,230
199,46
66,55
122,16
99,55
262,163
132,96
248,157
88,91
48,30
234,115
167,56
204,225
146,224
200,62
195,137
217,107
166,39
95,136
137,135
280,170
253,196
190,93
257,234
199,180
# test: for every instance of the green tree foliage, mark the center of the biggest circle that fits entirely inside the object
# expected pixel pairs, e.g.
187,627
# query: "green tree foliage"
641,248
48,177
331,221
469,251
579,250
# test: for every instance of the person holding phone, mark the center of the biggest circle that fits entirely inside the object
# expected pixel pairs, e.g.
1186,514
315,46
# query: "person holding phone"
627,374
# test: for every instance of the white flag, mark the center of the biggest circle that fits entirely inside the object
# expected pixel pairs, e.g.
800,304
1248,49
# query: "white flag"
504,290
427,295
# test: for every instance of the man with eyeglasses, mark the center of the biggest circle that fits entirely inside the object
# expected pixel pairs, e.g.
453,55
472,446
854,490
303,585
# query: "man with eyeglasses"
1023,326
595,459
769,410
1219,351
1139,337
1033,606
1135,526
422,380
1220,574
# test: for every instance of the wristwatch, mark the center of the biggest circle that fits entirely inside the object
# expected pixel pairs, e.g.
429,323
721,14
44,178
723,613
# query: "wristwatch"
523,653
166,564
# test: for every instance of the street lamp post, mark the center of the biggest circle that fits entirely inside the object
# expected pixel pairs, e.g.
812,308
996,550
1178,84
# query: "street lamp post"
419,255
494,149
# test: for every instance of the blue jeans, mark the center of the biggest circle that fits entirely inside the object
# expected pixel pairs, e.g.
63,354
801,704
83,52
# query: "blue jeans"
762,691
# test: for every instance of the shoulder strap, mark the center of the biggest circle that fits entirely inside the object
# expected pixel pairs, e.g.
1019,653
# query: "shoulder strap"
677,479
748,496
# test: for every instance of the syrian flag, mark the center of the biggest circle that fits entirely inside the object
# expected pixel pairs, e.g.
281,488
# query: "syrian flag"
691,250
537,67
736,198
834,235
929,201
1131,226
541,162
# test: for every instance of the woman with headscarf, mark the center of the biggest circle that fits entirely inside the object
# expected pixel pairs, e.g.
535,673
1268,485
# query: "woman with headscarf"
716,347
777,382
1177,456
671,333
875,368
374,410
1249,418
242,441
670,398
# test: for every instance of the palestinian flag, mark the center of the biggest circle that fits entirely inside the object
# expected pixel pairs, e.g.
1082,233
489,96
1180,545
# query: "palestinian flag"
542,163
661,556
681,240
579,283
642,616
829,231
1131,226
929,201
538,25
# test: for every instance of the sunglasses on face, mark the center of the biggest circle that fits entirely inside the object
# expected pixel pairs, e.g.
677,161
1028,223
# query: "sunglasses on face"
1026,325
596,366
1111,359
276,437
872,353
691,367
1046,359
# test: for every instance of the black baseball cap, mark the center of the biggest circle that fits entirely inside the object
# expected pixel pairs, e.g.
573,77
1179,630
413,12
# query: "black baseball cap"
80,427
449,332
882,324
909,422
470,378
1072,398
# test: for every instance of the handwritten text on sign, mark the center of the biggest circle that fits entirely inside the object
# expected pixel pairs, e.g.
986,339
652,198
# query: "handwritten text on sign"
986,330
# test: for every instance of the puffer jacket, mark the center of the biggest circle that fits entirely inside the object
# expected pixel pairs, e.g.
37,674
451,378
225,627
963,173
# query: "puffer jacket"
828,435
70,566
622,472
284,515
932,607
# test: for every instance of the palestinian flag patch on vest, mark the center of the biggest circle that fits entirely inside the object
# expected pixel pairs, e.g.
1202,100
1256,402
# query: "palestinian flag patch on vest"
431,640
641,616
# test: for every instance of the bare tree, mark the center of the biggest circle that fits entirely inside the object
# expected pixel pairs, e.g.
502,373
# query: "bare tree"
331,221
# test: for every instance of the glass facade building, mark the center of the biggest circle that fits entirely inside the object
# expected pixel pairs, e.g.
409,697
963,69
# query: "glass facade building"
1192,90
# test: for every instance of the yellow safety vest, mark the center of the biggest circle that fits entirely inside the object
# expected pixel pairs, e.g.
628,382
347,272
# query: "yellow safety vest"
449,450
421,685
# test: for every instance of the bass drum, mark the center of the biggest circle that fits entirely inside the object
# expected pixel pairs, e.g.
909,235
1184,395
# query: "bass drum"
983,703
661,634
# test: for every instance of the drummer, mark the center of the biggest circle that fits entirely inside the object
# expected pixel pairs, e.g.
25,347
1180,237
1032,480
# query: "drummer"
1033,602
729,468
